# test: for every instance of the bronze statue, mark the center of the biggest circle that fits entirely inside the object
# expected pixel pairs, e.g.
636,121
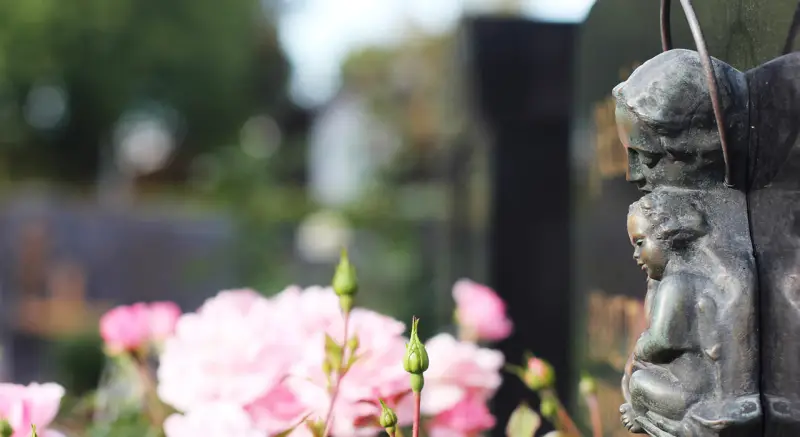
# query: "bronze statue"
718,152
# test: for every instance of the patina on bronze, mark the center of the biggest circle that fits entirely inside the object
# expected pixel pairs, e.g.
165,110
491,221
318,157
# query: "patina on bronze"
774,207
718,153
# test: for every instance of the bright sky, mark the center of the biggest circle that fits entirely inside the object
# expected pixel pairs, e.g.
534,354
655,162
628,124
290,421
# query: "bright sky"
318,34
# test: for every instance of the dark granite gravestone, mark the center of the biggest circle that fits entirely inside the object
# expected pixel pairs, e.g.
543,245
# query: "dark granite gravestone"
743,34
520,84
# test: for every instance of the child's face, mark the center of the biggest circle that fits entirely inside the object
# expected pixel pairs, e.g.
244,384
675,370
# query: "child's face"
648,252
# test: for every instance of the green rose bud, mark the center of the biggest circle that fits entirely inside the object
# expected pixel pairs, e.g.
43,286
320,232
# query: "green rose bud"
415,360
353,344
388,419
345,282
587,386
416,357
5,429
548,408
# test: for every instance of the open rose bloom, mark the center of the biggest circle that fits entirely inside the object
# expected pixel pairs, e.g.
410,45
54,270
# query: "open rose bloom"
480,312
133,327
264,357
35,404
459,383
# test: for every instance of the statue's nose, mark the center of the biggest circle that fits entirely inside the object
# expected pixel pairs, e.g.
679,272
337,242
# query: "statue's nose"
634,173
634,170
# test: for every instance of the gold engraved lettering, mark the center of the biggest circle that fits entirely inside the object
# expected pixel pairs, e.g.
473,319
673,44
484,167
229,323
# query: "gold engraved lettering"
610,156
609,398
614,325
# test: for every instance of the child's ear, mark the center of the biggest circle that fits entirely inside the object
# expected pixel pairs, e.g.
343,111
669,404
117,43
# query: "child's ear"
685,228
682,237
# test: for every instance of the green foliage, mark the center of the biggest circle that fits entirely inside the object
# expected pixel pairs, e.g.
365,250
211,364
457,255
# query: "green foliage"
80,362
289,431
214,63
5,429
524,422
264,211
133,424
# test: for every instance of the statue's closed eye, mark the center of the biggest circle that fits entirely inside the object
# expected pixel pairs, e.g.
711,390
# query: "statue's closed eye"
649,159
679,156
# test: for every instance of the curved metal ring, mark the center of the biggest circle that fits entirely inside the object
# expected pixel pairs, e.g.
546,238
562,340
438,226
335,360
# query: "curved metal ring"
788,46
666,28
708,67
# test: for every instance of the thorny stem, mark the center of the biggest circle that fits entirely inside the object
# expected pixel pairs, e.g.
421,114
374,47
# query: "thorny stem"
567,421
594,414
338,381
563,417
417,403
150,390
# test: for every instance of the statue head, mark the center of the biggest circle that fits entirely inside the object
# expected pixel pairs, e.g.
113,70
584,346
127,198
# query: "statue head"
666,122
662,225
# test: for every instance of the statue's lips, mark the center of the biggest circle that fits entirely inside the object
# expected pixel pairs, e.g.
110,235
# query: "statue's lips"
642,365
641,184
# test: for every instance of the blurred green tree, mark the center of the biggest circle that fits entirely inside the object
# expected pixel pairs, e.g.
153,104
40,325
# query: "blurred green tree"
214,63
411,87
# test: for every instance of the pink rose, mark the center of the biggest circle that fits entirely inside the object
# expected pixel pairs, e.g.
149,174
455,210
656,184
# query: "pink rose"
163,316
35,404
468,418
304,313
128,328
276,411
125,328
233,351
228,351
458,370
212,420
377,373
480,312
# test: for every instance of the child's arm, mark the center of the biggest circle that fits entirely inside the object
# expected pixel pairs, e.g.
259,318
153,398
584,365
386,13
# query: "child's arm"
671,320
